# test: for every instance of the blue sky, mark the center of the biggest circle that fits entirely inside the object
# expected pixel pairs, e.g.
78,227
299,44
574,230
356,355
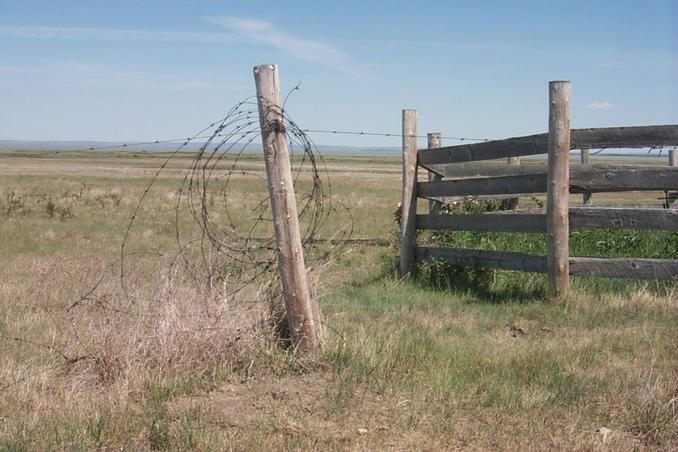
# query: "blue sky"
144,70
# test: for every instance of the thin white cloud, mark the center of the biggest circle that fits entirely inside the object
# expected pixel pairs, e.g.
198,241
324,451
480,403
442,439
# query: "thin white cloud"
114,34
302,48
600,105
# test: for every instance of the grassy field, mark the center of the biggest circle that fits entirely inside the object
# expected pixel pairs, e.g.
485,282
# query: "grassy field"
170,361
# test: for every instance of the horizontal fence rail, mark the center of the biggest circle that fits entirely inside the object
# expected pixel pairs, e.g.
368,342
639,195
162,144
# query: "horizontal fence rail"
582,179
455,175
609,137
535,222
536,263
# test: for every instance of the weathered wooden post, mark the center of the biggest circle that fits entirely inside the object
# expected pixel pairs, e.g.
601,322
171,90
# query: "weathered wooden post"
434,141
408,236
303,314
557,223
672,196
512,203
586,160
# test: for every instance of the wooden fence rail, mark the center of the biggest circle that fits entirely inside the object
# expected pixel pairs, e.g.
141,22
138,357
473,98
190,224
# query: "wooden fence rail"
454,176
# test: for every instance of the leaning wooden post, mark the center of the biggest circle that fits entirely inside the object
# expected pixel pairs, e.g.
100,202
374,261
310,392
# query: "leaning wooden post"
557,223
434,141
512,203
408,233
586,160
303,314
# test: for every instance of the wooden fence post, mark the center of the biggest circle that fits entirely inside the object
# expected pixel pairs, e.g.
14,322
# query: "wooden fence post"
512,203
586,160
434,141
303,314
672,196
408,233
557,223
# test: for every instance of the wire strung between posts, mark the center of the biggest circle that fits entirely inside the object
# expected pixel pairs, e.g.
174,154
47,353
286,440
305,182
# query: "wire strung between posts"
233,244
382,134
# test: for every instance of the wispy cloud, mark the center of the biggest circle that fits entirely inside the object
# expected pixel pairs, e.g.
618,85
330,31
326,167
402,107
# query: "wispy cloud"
302,48
600,105
114,34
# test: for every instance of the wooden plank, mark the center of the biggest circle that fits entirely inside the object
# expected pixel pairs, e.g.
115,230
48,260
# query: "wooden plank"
489,222
533,183
303,313
586,160
625,137
469,170
597,180
408,233
434,141
487,150
624,268
534,220
620,218
476,170
608,137
505,260
557,197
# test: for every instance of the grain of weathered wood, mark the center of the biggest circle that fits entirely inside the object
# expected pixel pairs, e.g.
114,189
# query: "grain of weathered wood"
505,260
408,231
620,218
624,268
608,137
557,222
578,266
625,137
487,150
592,179
585,160
534,220
434,141
475,170
532,183
303,314
490,222
470,170
599,179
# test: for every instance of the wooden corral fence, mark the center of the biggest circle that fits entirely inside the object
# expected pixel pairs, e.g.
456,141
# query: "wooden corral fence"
454,175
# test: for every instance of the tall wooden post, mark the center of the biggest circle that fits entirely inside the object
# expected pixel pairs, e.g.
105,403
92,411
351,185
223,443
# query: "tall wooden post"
673,158
557,223
586,160
303,314
408,236
434,141
512,203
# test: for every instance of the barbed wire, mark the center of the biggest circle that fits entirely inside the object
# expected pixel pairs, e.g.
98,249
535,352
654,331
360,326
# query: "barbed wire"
234,242
185,141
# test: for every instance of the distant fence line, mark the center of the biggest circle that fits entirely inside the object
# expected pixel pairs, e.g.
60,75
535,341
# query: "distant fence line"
454,175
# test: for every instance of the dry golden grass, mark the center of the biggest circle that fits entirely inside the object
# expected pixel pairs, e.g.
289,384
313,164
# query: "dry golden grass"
174,363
